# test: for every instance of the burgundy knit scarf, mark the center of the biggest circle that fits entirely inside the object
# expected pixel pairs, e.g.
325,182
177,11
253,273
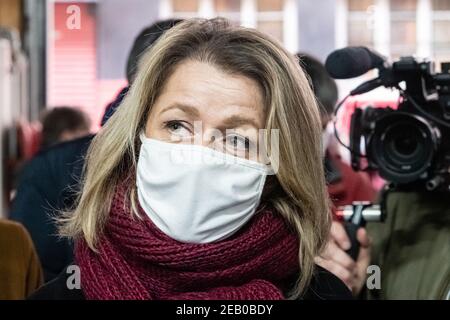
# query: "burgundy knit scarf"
135,260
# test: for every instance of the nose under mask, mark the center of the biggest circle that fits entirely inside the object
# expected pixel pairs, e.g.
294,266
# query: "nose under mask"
195,194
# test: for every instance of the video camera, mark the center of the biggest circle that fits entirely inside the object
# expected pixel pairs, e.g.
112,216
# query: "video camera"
408,146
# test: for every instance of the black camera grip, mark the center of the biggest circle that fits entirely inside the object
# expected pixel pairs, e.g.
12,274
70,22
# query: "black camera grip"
351,230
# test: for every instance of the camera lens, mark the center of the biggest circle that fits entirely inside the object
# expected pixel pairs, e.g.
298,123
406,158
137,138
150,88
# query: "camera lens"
404,142
403,146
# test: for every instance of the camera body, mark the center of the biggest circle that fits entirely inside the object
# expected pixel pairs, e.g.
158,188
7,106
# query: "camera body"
408,145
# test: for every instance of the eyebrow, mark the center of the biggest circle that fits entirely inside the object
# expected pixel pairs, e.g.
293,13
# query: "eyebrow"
233,121
183,107
237,121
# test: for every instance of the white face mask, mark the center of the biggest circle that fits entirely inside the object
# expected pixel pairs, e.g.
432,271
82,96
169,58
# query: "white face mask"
195,194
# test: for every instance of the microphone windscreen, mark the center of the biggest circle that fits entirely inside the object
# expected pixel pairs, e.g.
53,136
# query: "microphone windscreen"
349,62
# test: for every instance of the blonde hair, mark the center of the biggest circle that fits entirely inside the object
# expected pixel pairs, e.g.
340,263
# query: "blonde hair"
291,108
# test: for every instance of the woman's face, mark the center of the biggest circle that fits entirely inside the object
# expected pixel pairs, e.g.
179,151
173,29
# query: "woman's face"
200,104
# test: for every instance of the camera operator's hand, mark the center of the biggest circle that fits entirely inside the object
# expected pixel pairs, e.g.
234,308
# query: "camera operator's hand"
337,261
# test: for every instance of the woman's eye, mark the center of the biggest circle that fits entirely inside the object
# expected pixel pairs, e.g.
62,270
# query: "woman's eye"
238,142
177,128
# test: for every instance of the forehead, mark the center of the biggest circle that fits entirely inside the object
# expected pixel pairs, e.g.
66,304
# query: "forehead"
212,91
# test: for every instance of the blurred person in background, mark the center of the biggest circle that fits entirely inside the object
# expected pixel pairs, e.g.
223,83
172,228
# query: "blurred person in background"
62,124
143,41
344,184
48,184
20,270
45,186
148,227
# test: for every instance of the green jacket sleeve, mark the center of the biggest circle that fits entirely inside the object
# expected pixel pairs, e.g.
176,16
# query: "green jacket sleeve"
412,247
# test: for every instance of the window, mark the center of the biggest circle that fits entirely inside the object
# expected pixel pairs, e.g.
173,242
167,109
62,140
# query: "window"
72,64
403,27
185,6
396,27
360,28
230,9
269,16
441,30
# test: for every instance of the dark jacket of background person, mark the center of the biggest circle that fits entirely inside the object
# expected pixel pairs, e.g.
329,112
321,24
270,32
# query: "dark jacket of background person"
20,270
344,184
112,106
47,183
412,247
143,41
